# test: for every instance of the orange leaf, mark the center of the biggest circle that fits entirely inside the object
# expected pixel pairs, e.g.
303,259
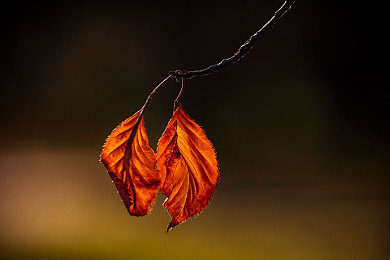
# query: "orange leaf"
188,166
131,164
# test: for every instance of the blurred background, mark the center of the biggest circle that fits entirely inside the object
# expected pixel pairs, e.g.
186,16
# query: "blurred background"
300,126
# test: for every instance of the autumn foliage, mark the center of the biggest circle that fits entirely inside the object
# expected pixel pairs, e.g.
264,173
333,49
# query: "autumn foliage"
186,167
131,164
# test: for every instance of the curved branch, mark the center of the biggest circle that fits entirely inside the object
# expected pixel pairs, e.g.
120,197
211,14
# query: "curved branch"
244,49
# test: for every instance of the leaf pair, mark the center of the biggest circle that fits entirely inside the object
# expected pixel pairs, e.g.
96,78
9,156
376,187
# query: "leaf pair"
187,167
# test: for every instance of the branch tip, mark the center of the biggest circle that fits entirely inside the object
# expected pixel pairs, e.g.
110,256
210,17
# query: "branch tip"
241,52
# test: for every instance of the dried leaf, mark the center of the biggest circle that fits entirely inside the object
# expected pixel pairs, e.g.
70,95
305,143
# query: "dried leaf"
188,167
131,164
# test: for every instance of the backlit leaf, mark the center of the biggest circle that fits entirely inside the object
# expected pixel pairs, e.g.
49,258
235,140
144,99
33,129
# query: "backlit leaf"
188,167
131,164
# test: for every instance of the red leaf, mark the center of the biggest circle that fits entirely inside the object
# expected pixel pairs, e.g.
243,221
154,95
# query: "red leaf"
131,164
188,166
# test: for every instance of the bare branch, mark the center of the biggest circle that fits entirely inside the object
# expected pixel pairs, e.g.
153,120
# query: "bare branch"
242,51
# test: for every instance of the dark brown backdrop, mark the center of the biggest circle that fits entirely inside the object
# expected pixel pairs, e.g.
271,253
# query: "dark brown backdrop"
300,126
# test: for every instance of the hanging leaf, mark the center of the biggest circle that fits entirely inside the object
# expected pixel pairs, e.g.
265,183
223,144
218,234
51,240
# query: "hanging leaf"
188,166
131,164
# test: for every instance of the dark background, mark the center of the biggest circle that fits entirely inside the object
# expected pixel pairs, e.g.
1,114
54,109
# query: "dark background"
300,126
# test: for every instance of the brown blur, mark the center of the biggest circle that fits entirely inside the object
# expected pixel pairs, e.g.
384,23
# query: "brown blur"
300,126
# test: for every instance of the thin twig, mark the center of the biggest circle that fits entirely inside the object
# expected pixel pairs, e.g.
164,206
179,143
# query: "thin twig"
128,150
181,90
176,104
244,49
152,93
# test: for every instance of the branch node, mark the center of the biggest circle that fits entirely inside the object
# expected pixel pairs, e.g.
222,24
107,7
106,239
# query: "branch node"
177,74
242,51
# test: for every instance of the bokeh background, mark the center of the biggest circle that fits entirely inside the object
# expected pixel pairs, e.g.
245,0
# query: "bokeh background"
300,126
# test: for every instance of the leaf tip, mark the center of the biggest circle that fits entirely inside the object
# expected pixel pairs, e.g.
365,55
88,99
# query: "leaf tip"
170,226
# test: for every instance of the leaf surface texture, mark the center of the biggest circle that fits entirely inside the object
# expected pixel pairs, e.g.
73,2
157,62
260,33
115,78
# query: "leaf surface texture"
131,164
188,167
